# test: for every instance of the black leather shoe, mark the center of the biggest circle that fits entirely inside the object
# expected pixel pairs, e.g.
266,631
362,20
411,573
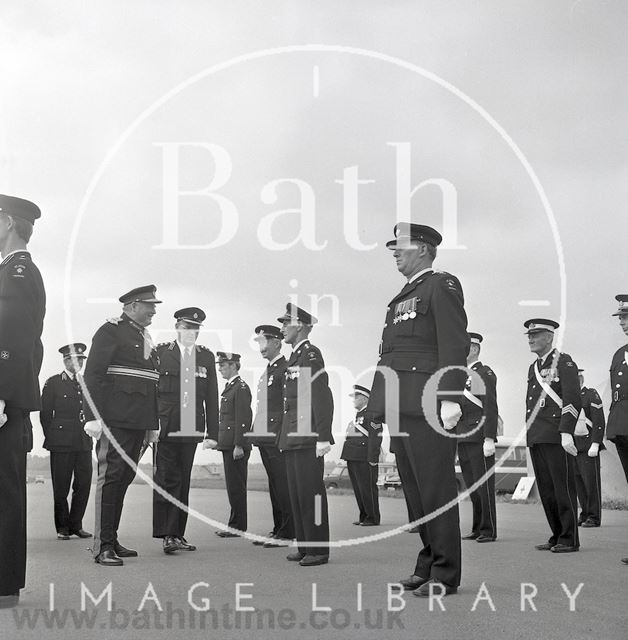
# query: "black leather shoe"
357,522
485,539
123,552
171,545
546,546
62,535
587,524
81,533
261,543
313,560
108,558
226,534
369,524
276,542
624,560
471,536
437,588
563,548
10,600
185,545
297,556
412,583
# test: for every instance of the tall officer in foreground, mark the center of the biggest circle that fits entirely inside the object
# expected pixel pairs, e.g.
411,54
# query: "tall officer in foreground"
121,376
188,414
617,426
268,420
553,405
22,310
361,451
234,423
477,430
62,419
589,436
425,331
306,437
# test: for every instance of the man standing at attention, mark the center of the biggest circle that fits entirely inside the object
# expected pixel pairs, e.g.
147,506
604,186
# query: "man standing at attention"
62,419
425,331
22,310
121,376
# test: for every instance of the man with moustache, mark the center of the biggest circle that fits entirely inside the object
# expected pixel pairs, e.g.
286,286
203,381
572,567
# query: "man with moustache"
425,333
121,375
306,437
188,414
233,425
62,419
553,405
266,426
22,310
617,425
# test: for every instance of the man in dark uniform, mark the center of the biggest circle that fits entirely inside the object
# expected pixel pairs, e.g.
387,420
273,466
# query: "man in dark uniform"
268,421
234,422
121,376
361,451
477,431
617,426
553,405
306,437
589,436
22,310
62,419
425,331
188,414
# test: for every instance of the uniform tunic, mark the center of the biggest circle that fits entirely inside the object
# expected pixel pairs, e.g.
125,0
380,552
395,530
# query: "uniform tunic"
62,420
175,451
426,330
121,375
235,421
556,412
617,427
22,310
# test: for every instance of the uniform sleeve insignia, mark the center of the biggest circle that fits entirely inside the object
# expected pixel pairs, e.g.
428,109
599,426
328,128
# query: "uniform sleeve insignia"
19,270
312,355
5,355
570,363
376,425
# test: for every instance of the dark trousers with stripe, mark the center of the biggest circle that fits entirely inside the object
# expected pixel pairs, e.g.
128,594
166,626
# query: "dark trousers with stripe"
408,484
275,465
308,498
13,448
589,487
621,444
432,457
555,475
114,478
70,468
173,469
236,473
474,466
363,478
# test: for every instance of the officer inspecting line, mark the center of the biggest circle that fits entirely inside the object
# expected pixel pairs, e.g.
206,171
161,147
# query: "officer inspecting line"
146,394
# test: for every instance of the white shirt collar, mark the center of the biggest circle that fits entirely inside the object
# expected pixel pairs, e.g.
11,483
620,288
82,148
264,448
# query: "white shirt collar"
183,348
272,362
471,364
237,375
416,276
12,252
296,346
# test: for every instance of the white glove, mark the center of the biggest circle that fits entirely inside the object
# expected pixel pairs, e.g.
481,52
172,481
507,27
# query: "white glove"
489,447
3,415
208,443
450,413
594,449
238,452
566,441
152,436
322,448
93,428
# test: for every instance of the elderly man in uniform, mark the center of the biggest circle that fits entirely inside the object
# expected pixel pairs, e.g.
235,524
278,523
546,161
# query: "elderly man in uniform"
121,375
62,420
589,436
617,426
22,310
553,405
425,332
266,427
188,414
234,423
361,452
477,431
306,437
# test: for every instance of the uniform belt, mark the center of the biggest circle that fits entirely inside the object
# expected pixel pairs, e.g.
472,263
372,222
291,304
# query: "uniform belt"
146,374
388,348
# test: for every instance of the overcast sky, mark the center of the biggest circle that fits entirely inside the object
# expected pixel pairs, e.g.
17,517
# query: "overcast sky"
77,75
